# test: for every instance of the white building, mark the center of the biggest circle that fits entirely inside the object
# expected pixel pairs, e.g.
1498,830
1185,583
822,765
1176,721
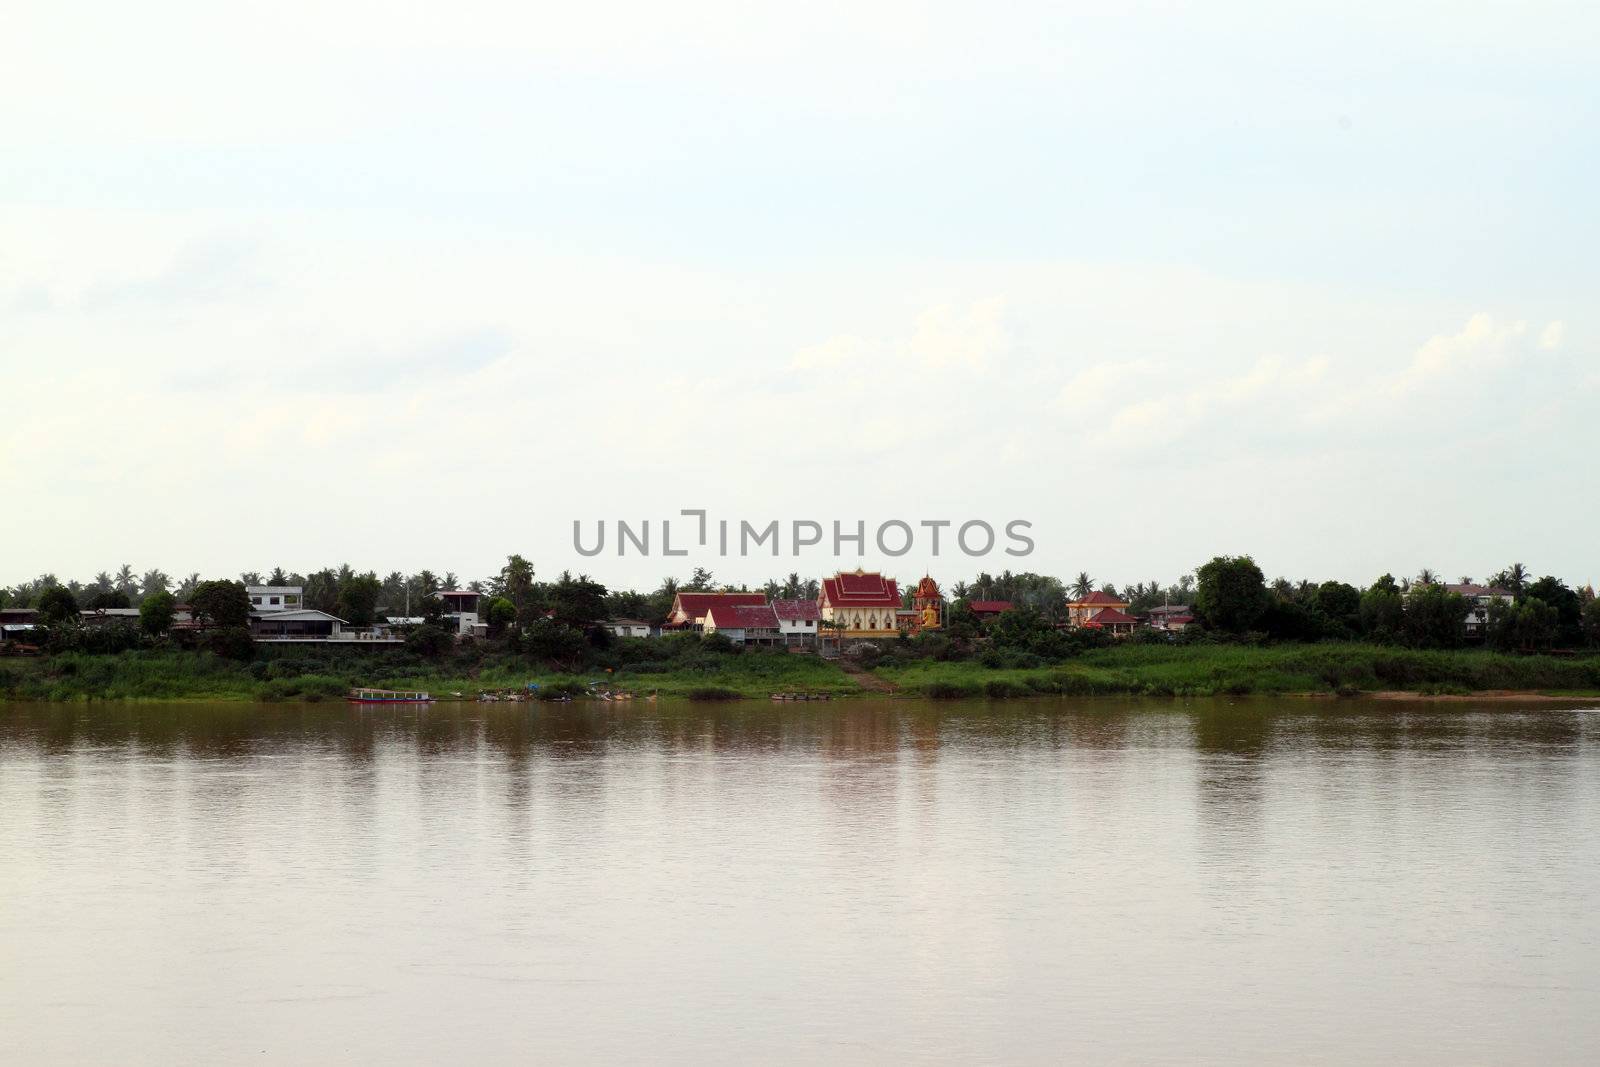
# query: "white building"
628,627
275,597
1479,598
461,612
798,621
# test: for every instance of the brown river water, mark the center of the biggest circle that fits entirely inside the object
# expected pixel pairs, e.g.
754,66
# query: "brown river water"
1037,881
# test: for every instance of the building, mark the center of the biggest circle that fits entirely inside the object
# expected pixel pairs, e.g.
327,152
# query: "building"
627,627
743,624
108,617
1080,612
300,625
1479,598
984,610
461,613
1171,618
689,609
17,625
278,615
860,604
798,621
275,597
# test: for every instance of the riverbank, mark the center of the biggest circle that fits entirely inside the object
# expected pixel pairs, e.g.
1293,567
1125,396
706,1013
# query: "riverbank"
1125,670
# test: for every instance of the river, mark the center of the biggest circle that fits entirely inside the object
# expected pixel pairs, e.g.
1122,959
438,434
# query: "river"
876,882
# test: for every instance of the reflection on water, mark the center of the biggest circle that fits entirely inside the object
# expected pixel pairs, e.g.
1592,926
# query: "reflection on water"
870,882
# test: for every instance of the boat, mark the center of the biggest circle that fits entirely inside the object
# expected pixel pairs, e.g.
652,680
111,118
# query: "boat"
388,696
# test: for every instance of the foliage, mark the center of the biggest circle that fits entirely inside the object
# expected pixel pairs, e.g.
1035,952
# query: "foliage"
1382,611
155,613
1434,618
1231,595
429,640
221,603
499,613
358,599
57,606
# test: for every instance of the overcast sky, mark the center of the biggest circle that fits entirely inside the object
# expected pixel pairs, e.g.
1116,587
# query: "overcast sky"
418,285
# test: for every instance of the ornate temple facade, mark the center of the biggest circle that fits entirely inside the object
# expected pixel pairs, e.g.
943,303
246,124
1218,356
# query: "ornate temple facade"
861,604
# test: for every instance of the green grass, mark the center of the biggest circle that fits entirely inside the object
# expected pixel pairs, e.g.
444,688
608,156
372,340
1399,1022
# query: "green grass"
1154,670
1209,670
326,674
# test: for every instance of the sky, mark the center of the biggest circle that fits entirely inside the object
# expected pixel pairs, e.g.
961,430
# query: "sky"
420,285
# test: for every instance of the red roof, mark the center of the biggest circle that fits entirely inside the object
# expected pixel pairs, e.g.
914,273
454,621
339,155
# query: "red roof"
1097,597
860,590
1182,620
797,610
695,605
743,617
1107,616
990,607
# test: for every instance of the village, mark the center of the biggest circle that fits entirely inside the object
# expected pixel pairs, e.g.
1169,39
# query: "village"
851,606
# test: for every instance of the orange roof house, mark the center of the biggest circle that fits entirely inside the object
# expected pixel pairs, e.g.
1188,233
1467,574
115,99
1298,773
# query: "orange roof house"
1081,612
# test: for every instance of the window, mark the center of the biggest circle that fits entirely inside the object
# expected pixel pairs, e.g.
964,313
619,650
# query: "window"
291,599
274,600
255,600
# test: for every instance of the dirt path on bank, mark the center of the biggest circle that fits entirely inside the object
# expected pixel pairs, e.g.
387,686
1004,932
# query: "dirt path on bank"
864,678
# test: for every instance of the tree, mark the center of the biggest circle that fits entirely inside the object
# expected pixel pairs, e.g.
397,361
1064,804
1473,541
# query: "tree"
1434,617
155,613
1514,578
1382,610
578,602
1339,603
358,599
126,583
221,603
1567,605
516,585
1232,594
1591,623
1427,576
1083,585
57,606
499,613
154,581
1528,623
114,598
699,582
322,591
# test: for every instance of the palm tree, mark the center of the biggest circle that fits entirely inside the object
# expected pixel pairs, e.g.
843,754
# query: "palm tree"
1083,586
960,591
1466,579
1426,576
126,582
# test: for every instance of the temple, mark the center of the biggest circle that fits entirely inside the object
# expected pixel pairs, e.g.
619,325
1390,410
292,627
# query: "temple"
860,604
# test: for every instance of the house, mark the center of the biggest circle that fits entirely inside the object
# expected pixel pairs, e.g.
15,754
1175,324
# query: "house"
627,627
1119,623
984,610
278,615
1479,598
109,617
689,609
860,604
1082,610
275,597
743,624
1171,618
17,625
299,625
461,613
798,621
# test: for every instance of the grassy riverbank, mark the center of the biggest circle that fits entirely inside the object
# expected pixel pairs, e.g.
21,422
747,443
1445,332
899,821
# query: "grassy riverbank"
329,674
1208,670
1150,670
